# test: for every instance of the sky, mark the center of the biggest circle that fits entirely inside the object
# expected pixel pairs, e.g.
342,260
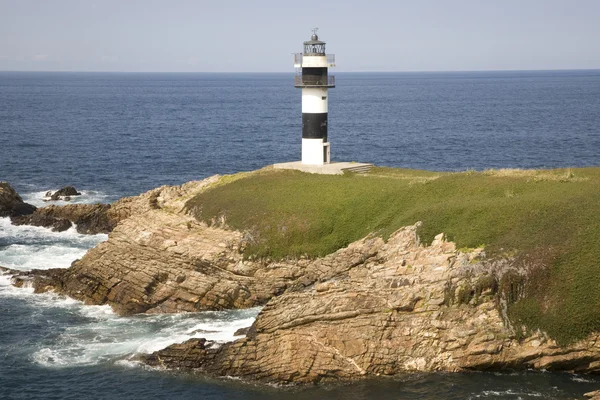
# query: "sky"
261,35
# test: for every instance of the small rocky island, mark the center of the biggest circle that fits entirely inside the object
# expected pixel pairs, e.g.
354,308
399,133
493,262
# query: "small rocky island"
365,292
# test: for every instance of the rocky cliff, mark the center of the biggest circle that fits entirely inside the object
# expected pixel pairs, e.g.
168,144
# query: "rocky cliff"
372,308
401,308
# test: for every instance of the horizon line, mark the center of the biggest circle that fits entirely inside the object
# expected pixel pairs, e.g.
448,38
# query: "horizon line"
292,72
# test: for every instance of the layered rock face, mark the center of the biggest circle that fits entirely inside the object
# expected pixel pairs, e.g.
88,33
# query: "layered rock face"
160,260
164,263
395,310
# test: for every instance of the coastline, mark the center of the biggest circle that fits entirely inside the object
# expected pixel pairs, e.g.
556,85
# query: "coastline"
320,313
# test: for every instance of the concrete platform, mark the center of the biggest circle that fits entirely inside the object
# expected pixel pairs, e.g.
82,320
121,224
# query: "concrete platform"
334,168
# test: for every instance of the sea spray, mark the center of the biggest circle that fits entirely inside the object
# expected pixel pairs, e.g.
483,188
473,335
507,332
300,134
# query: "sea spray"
100,336
39,198
31,247
90,335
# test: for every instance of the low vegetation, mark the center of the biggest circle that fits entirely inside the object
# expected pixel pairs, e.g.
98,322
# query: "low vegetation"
548,219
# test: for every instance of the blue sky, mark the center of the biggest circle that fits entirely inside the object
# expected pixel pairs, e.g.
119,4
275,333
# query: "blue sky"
260,35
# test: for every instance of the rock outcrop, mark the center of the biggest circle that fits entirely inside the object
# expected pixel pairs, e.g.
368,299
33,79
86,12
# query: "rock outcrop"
89,218
595,395
11,204
64,193
158,259
396,310
373,308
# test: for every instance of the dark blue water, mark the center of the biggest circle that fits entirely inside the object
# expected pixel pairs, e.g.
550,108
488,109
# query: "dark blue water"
127,133
121,134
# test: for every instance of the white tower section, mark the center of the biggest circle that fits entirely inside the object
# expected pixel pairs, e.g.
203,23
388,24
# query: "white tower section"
313,78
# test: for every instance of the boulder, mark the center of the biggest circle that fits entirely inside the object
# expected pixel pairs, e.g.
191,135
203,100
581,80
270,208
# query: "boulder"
11,204
66,191
181,356
242,331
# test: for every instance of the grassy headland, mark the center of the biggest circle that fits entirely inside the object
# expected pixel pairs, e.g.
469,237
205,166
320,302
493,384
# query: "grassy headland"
549,218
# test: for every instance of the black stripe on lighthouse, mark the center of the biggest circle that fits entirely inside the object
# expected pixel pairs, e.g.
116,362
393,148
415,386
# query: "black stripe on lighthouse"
314,126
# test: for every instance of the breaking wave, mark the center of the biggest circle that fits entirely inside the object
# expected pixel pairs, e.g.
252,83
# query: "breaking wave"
89,335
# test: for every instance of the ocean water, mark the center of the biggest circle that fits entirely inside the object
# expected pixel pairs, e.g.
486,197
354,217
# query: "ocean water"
112,135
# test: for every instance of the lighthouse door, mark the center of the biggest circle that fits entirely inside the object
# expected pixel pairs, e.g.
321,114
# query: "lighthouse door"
326,153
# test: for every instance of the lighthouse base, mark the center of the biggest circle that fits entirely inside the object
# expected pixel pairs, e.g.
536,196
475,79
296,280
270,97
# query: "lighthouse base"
315,152
335,168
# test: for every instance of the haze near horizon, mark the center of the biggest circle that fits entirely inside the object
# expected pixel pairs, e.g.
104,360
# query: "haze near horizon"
238,36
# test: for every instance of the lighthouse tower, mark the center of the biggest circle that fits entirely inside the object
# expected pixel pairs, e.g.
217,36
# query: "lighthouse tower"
312,77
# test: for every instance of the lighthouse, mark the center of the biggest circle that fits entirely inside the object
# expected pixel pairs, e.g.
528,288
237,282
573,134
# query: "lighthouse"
313,78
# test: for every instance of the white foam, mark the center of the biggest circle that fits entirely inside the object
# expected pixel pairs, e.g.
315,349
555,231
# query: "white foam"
579,378
37,300
27,232
106,337
218,330
509,392
39,199
95,334
129,363
39,257
98,312
28,247
8,290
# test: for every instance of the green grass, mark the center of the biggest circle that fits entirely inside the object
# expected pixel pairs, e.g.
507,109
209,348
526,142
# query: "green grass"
550,219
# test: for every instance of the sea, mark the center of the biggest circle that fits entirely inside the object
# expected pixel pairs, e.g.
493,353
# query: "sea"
119,134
